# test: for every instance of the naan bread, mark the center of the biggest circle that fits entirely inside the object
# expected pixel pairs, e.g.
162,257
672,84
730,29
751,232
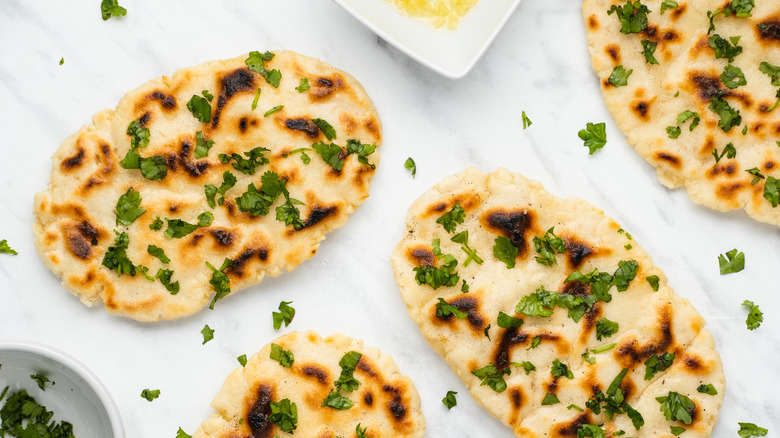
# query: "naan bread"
650,322
75,217
386,403
650,102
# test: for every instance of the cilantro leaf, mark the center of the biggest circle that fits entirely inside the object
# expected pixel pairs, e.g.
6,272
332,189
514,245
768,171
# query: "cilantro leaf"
729,151
220,282
438,277
256,99
649,49
723,48
707,389
443,308
755,316
284,357
205,219
735,262
150,394
153,168
273,110
200,108
177,228
139,136
165,278
450,219
619,76
506,321
158,252
228,182
284,414
676,430
657,363
331,154
750,429
688,114
547,246
284,315
242,360
347,381
653,280
757,176
208,334
111,8
526,121
504,251
156,225
254,158
559,369
116,256
182,434
772,191
668,4
449,400
128,207
626,272
772,70
41,380
326,128
539,303
526,366
411,166
632,16
493,377
256,63
600,283
729,117
361,150
606,328
5,248
337,401
594,135
589,430
463,238
733,77
677,407
740,8
550,399
303,86
202,145
673,131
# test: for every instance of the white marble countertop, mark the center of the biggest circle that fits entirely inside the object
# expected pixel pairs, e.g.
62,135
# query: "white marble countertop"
538,64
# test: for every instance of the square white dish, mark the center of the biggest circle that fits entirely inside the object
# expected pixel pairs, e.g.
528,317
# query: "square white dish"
451,53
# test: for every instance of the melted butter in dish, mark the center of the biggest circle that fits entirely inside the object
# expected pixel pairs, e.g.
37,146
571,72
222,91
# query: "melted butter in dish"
440,14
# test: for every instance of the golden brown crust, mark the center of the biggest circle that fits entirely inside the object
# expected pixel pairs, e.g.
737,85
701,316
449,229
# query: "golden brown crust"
75,218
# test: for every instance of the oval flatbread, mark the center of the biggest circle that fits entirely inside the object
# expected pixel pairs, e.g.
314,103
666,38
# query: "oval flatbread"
244,164
381,402
569,331
699,103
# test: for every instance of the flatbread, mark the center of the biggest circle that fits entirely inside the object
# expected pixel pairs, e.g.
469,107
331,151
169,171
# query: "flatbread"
687,78
75,217
386,403
650,322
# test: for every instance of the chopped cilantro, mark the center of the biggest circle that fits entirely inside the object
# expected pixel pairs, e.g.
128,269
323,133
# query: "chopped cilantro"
657,363
450,219
632,16
150,394
256,99
285,315
111,8
648,51
550,399
273,110
284,357
772,70
547,246
559,369
256,63
449,400
326,128
539,303
526,121
205,219
594,135
41,380
676,430
673,131
526,366
337,401
653,280
688,114
755,316
668,4
228,181
772,190
303,86
165,278
5,248
757,176
677,407
506,321
707,389
200,108
535,341
733,77
626,272
443,308
284,414
725,49
156,225
139,136
202,145
589,430
411,166
492,376
606,328
361,433
729,151
733,261
208,334
254,158
177,228
619,76
347,381
750,429
504,251
463,239
220,282
305,158
116,256
182,434
242,360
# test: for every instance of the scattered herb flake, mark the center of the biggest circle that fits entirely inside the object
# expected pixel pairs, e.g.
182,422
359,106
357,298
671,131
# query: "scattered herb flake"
284,315
594,135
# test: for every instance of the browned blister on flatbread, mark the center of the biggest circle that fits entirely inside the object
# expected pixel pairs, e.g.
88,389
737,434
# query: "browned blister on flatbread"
650,323
385,403
687,78
75,218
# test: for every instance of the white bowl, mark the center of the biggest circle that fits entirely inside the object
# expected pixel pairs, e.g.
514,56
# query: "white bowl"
77,396
449,53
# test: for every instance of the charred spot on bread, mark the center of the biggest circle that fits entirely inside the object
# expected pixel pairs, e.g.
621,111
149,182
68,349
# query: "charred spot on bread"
317,372
593,22
74,161
577,252
570,428
167,101
237,81
629,352
468,305
512,224
222,236
368,398
641,108
303,125
237,268
318,214
613,51
769,30
396,405
323,87
669,158
259,412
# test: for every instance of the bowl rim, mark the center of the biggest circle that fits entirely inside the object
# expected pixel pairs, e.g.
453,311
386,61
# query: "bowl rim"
114,418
